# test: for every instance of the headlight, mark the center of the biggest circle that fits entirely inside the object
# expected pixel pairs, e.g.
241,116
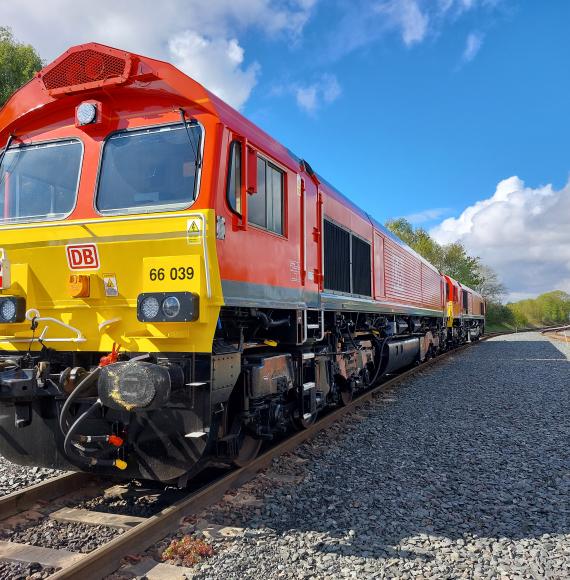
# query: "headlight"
171,307
12,309
86,113
150,307
168,307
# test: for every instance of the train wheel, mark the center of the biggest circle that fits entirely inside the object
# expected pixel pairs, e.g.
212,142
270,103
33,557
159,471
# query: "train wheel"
305,421
346,394
345,390
248,451
346,397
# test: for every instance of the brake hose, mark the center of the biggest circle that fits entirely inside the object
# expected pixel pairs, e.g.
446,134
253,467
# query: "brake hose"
82,386
68,443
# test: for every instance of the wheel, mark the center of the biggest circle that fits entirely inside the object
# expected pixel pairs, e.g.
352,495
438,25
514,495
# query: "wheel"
346,395
248,451
305,422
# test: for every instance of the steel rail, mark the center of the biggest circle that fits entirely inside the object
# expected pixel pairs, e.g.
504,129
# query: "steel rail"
24,499
555,329
107,558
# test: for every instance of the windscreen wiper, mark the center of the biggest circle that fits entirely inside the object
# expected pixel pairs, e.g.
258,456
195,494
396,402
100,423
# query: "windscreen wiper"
195,145
8,143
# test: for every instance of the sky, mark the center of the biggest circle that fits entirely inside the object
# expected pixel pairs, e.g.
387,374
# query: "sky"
452,113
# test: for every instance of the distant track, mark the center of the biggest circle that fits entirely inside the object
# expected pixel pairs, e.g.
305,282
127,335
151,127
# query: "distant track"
559,333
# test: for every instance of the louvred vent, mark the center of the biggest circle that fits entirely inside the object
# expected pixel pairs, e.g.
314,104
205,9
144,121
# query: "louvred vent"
85,69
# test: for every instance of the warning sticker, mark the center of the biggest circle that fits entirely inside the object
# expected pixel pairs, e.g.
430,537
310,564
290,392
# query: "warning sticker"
110,283
4,271
295,269
194,229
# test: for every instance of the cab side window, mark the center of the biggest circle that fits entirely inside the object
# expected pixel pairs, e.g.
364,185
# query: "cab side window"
265,207
234,177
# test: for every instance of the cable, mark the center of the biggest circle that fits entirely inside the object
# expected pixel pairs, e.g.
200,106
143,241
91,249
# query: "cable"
82,386
380,353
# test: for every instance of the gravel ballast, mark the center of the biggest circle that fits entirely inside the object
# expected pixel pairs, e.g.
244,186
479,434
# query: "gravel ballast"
14,477
74,537
461,472
21,571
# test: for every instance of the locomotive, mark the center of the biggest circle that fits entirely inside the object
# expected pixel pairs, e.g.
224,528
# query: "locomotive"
177,287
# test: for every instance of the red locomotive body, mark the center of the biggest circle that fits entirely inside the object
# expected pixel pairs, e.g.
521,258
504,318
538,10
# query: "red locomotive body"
237,292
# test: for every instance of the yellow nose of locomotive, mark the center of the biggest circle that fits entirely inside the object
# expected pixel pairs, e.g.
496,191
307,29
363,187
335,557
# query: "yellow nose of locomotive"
147,284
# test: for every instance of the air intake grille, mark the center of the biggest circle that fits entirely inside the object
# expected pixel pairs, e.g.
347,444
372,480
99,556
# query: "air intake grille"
337,258
84,68
361,268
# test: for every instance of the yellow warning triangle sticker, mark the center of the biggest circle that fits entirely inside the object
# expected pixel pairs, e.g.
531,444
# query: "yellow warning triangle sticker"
110,283
194,227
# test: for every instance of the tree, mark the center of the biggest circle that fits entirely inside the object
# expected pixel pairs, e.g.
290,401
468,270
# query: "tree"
459,265
491,288
418,239
18,64
498,314
550,308
451,259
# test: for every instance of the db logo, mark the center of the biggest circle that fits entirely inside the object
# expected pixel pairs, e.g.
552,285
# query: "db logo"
82,257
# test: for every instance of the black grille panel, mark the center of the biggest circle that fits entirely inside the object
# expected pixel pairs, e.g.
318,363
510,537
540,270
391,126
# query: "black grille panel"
361,268
337,258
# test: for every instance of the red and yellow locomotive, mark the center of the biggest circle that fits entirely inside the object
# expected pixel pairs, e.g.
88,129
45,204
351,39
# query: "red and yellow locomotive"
176,286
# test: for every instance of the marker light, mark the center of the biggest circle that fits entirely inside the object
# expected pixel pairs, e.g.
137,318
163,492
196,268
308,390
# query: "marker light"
12,309
171,307
86,113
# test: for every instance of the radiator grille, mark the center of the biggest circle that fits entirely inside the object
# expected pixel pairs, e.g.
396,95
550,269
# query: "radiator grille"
361,267
84,67
337,258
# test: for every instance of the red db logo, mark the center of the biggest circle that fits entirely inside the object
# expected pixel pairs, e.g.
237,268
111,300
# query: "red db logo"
82,257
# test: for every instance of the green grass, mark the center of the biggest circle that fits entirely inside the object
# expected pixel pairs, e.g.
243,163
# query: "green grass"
505,327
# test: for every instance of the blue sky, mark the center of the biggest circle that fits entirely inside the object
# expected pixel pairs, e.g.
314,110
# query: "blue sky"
418,127
451,112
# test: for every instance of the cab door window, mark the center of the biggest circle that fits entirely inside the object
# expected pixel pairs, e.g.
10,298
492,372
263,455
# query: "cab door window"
265,207
234,178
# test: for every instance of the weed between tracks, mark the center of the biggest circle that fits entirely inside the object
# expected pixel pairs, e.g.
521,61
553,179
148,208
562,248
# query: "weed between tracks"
187,551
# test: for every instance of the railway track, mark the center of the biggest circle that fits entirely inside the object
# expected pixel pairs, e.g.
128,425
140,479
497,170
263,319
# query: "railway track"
559,333
140,533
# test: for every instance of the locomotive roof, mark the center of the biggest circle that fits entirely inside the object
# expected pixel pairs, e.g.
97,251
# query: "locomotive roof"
144,74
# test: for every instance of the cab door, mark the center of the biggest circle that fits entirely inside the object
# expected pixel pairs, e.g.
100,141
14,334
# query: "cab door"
310,206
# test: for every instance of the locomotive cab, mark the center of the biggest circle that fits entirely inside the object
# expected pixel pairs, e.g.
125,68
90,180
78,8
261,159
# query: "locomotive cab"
110,290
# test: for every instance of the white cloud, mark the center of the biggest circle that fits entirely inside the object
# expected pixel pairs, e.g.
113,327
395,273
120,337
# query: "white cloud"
201,37
521,232
323,91
363,22
427,215
217,64
407,17
473,45
459,6
307,98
